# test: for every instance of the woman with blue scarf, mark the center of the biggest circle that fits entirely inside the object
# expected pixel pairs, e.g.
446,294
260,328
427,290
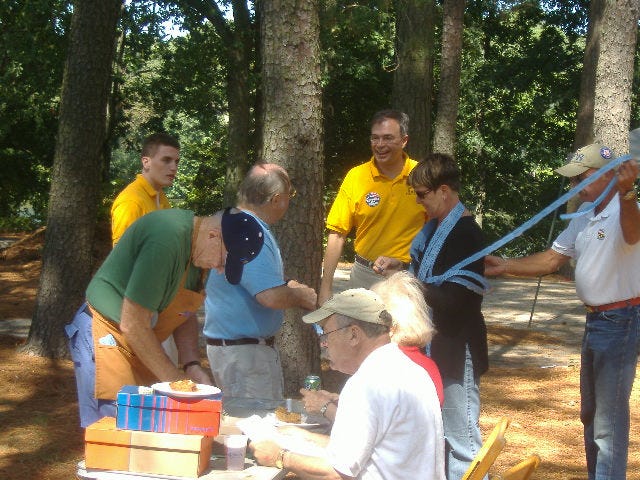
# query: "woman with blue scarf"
459,347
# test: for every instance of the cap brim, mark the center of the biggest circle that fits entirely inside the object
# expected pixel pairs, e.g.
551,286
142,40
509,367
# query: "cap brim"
317,316
571,170
233,271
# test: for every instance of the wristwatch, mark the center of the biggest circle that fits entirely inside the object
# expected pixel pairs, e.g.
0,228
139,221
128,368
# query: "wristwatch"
280,458
323,408
630,195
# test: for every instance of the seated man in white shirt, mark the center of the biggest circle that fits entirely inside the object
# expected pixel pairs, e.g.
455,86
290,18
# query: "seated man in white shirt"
388,422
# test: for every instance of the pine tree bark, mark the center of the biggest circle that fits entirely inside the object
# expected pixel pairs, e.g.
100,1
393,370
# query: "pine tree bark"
75,182
413,77
444,137
614,73
292,137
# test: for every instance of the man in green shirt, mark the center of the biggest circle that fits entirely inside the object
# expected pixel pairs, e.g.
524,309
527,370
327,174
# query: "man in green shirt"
148,288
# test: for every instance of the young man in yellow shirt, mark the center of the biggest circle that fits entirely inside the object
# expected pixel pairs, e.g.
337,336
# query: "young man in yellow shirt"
160,158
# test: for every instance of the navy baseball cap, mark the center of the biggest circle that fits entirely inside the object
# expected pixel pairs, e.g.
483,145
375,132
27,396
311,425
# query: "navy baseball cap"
243,238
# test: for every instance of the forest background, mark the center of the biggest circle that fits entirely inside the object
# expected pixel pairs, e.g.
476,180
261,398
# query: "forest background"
81,83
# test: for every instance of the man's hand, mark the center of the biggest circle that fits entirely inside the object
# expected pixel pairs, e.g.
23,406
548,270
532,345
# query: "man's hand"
199,375
314,400
387,266
494,266
627,174
265,452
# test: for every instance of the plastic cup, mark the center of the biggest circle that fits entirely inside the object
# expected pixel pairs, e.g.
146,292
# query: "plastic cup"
235,449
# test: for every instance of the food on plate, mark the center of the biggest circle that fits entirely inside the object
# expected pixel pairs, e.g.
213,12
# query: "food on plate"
286,416
184,386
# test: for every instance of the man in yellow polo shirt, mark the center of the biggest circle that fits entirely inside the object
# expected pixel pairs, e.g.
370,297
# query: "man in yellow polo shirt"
375,199
160,158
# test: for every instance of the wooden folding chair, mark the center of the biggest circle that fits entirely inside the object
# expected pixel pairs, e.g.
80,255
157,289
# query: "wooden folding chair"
523,470
491,447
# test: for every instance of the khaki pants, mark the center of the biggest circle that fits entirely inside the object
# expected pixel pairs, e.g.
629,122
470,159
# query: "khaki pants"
363,277
247,371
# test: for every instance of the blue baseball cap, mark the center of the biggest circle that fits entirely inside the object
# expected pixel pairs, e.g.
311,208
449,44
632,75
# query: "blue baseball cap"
243,238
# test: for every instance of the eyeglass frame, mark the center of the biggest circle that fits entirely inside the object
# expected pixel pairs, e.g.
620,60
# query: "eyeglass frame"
322,337
422,195
573,181
384,139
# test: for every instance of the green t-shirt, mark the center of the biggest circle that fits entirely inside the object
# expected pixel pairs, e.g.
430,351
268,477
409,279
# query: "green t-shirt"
146,265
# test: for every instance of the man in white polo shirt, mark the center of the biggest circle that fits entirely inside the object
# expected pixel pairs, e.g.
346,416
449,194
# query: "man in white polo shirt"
388,422
605,243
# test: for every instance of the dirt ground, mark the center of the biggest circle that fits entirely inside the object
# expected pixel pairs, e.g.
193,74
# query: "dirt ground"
533,380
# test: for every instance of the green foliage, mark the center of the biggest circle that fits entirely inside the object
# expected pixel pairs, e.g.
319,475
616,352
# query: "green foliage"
175,85
519,96
33,43
357,43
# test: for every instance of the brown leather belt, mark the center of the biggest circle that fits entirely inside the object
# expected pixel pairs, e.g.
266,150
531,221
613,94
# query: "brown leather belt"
369,264
219,342
612,306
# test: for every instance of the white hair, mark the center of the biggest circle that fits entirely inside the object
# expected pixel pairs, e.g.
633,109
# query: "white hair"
404,298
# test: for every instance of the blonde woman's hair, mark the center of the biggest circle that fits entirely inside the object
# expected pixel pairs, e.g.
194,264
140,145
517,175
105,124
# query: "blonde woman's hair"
412,321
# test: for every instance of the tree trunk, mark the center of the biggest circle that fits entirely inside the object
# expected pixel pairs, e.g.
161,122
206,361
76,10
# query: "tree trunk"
413,77
75,182
444,138
292,137
614,74
239,100
584,121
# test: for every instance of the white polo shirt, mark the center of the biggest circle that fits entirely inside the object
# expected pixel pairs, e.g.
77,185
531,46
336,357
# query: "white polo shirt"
607,268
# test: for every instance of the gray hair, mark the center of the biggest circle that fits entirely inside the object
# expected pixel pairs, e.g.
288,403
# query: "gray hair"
412,319
263,181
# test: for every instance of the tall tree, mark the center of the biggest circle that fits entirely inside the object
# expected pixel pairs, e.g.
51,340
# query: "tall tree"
444,136
614,73
75,184
413,77
292,136
584,123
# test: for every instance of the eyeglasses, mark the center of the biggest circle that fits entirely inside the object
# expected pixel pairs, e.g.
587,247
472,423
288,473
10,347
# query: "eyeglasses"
423,194
322,335
383,140
573,181
292,191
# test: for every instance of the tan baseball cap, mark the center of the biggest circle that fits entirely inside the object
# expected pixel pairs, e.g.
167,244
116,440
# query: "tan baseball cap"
358,303
595,155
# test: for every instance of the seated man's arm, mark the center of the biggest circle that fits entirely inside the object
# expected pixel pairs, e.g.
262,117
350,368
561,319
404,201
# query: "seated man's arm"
291,295
135,324
304,466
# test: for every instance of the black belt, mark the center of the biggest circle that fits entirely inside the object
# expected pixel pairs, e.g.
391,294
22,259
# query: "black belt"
219,342
369,264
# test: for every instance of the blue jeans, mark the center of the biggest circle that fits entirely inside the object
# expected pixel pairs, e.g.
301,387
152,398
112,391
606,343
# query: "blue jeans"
609,357
460,418
84,364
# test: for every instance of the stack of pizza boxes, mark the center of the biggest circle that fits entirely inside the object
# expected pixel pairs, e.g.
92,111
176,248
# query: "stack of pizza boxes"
155,433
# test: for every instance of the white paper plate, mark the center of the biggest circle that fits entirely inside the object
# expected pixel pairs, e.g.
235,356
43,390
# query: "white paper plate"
279,423
203,390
